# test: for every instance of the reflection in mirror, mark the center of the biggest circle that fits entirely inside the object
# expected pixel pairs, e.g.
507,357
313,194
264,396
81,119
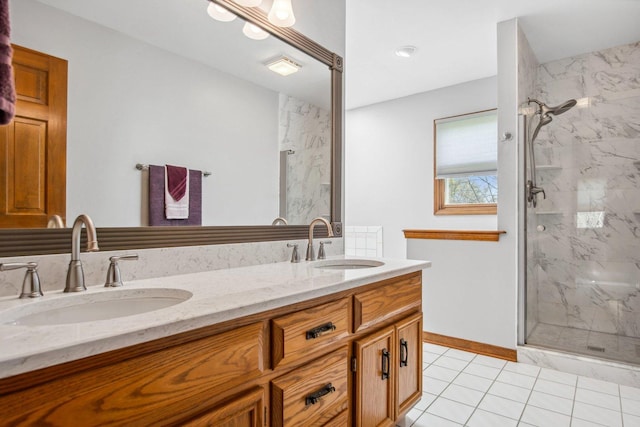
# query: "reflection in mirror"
151,82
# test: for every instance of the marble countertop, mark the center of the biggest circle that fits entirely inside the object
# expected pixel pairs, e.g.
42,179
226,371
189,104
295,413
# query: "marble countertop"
217,296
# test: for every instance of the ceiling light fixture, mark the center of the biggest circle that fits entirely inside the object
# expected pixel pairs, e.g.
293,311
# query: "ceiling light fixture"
406,51
281,13
219,13
283,66
249,3
254,32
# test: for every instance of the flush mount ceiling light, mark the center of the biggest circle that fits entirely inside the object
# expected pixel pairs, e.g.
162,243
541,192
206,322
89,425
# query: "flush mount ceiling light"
406,51
283,66
254,32
249,3
219,13
281,13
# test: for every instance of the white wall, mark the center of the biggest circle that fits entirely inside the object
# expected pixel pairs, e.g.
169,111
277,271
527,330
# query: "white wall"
130,102
389,162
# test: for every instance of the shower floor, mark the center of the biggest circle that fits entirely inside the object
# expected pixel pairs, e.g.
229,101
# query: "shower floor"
582,341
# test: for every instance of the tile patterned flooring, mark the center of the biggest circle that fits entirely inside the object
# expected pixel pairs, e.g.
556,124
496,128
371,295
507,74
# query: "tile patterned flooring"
465,389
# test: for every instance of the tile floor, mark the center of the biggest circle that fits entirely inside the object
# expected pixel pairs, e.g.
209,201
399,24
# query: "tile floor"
465,389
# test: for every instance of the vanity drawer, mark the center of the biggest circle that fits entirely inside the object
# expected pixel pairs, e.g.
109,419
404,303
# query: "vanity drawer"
306,332
312,395
388,301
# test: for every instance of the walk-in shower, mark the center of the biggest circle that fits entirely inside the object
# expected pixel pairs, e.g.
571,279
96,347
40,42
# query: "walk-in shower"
583,236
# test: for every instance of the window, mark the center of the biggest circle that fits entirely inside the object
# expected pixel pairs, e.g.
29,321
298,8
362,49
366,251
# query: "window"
466,164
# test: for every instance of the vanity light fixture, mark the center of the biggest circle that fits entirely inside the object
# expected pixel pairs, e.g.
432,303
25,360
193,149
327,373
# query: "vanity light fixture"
281,13
249,3
406,51
219,13
283,66
254,32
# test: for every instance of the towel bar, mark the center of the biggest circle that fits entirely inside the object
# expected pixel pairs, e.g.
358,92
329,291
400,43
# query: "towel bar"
140,167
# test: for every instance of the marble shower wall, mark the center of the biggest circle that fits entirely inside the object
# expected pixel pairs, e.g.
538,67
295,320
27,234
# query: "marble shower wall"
587,261
306,130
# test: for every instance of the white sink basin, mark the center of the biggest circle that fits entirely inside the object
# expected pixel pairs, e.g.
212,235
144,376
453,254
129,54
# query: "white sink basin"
347,264
91,307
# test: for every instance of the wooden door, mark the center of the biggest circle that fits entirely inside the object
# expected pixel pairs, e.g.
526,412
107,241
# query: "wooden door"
244,411
409,362
33,147
375,379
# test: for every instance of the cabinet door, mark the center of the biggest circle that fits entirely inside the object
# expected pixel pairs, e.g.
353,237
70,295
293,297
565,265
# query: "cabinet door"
409,362
243,411
375,379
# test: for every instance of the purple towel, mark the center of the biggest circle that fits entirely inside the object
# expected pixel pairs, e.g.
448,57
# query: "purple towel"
177,181
7,86
156,198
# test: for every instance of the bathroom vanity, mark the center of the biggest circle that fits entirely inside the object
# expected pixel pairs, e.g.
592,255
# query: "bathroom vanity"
268,345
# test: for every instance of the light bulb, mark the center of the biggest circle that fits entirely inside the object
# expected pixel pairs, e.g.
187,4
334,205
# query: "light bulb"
281,13
219,13
254,32
249,3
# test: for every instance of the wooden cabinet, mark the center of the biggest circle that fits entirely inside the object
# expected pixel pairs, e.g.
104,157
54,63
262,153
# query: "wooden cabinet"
244,411
409,363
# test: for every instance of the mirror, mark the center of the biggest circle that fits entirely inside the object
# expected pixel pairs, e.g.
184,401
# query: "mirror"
231,123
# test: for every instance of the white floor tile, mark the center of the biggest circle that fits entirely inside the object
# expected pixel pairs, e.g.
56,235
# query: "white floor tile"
550,402
558,377
631,420
598,385
603,400
459,354
429,357
513,378
630,406
577,422
482,371
433,386
450,410
502,406
489,361
451,363
424,402
482,418
512,392
440,373
630,392
522,368
597,414
544,418
473,381
434,348
410,418
463,395
557,389
430,420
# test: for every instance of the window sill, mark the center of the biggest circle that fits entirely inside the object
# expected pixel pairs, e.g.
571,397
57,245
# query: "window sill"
477,235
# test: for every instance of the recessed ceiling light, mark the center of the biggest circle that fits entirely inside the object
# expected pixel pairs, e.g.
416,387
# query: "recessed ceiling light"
284,66
406,51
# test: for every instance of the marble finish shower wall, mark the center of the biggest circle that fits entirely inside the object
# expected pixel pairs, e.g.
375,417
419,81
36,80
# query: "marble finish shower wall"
587,261
306,129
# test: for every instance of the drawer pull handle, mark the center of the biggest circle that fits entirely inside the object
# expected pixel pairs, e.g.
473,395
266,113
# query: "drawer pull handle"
385,364
313,398
404,353
316,332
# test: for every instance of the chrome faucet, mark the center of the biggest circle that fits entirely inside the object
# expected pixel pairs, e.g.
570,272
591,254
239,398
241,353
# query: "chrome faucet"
75,274
55,221
311,256
31,284
280,220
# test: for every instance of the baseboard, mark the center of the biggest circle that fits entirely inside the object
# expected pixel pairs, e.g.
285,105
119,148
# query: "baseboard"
472,346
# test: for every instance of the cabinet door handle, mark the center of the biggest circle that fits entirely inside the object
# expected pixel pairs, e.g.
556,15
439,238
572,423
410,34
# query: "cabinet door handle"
317,331
385,364
313,398
404,352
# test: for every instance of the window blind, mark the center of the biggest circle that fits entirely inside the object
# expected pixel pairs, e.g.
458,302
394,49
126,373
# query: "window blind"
467,145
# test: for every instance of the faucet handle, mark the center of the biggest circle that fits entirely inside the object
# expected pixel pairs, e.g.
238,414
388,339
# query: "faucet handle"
321,253
114,278
295,257
31,284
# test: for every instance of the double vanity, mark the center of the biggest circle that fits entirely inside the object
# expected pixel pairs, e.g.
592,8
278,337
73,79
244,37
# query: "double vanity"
332,342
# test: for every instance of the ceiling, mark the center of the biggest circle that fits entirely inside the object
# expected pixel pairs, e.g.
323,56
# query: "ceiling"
457,40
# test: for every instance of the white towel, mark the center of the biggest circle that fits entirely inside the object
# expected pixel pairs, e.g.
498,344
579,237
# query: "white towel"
175,209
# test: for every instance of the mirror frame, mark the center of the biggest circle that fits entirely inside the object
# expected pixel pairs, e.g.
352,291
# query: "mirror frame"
20,242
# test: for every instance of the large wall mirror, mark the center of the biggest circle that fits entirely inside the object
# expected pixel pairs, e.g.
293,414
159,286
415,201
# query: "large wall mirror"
162,83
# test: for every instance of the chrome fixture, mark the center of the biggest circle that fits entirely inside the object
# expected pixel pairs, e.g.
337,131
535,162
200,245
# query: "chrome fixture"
294,255
55,221
544,119
31,284
279,220
321,253
310,254
114,279
75,274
